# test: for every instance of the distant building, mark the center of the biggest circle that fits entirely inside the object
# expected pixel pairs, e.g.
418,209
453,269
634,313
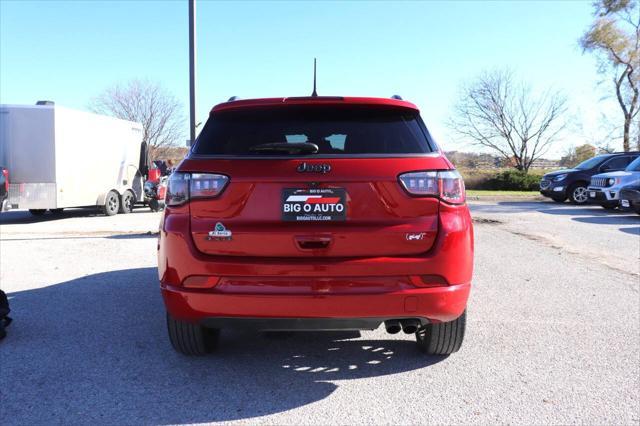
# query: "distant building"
543,163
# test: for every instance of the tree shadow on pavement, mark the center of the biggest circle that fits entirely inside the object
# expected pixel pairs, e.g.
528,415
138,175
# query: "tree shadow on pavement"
95,350
632,231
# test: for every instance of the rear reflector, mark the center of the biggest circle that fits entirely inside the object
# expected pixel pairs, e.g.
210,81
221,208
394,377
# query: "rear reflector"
428,280
201,281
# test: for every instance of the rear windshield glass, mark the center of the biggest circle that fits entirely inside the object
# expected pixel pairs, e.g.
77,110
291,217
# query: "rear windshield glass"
335,130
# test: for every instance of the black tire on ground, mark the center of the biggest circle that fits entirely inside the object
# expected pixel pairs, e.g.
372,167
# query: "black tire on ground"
578,193
37,212
111,203
127,200
609,206
154,205
559,199
191,339
442,338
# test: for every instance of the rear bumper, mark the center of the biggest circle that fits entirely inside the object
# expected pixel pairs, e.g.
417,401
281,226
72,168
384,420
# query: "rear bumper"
428,304
450,258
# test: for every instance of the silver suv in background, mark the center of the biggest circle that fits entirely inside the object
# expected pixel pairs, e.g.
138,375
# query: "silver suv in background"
604,188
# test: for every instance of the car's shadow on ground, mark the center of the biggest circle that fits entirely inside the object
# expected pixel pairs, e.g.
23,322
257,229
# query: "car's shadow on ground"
95,350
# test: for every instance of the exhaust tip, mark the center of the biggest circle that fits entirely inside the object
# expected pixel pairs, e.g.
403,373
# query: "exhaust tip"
392,326
410,326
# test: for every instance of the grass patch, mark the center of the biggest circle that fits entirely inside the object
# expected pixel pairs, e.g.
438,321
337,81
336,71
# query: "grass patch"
492,193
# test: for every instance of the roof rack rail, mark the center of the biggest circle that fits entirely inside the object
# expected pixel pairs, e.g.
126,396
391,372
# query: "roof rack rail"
398,97
233,98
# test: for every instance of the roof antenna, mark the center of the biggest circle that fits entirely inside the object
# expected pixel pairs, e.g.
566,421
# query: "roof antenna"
314,94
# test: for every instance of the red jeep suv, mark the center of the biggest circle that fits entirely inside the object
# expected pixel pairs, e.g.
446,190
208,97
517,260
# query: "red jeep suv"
315,213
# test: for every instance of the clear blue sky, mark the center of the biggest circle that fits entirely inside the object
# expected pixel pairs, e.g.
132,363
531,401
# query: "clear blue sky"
70,51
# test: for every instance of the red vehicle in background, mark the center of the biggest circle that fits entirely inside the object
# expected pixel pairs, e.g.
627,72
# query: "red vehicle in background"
316,213
155,189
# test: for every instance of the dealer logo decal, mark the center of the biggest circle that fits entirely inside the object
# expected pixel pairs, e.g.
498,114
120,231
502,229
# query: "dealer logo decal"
220,233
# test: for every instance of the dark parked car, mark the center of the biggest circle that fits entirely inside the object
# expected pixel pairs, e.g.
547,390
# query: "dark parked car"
630,198
573,183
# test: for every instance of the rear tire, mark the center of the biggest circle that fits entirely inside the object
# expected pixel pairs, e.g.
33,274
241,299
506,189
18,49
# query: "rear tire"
191,339
37,212
111,203
578,194
442,338
127,200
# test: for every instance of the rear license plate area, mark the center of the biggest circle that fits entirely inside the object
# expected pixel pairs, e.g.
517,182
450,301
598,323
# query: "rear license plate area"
314,204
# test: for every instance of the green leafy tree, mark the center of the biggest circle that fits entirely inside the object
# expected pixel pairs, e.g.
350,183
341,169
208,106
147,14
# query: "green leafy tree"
576,155
614,37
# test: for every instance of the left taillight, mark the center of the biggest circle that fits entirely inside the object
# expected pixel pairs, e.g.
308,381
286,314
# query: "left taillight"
183,187
447,185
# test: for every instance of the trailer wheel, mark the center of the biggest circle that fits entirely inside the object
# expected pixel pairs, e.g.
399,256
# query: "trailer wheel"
111,203
127,200
37,212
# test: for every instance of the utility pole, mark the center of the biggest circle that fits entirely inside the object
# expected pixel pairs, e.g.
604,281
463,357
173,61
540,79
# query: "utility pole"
192,71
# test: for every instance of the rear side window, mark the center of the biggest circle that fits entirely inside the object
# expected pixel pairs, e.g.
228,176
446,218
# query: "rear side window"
634,166
617,163
337,131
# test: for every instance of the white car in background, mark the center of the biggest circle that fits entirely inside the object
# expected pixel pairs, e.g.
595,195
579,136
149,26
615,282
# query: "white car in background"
604,188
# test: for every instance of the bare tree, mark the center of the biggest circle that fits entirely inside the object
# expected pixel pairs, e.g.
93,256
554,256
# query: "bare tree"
615,37
496,112
159,112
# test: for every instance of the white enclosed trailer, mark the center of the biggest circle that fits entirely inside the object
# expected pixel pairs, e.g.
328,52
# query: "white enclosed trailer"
59,157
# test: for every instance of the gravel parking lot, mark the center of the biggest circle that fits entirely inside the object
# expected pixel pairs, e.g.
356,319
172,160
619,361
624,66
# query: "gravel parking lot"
553,334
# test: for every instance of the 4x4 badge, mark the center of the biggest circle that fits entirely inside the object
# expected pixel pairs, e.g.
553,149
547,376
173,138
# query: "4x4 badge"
414,236
220,233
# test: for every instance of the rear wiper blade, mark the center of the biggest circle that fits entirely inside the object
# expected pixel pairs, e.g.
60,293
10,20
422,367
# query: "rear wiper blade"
289,148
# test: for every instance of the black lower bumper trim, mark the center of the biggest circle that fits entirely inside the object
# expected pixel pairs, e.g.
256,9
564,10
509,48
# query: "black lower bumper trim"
299,324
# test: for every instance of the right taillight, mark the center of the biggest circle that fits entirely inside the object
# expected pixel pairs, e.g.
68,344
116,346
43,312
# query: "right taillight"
183,187
445,184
